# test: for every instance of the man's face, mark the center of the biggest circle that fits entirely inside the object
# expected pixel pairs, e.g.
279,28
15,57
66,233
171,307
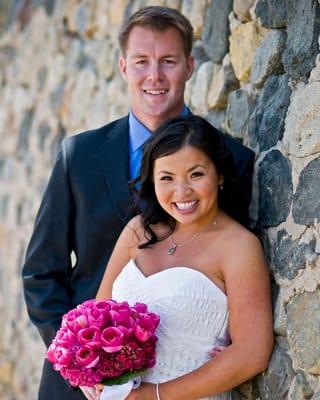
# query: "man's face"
156,70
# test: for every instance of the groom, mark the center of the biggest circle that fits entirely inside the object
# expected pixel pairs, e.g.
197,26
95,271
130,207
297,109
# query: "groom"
87,200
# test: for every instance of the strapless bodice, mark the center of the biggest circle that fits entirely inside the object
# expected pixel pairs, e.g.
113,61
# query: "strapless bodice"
193,317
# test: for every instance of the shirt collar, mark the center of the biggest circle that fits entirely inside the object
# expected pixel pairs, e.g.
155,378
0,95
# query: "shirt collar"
139,133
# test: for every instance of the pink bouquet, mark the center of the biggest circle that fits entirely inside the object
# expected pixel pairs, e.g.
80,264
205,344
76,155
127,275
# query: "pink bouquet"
104,342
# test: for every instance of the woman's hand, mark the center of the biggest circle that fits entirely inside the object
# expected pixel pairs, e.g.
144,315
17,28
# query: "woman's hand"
146,391
216,350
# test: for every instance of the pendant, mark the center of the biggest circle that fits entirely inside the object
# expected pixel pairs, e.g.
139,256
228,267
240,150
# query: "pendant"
172,249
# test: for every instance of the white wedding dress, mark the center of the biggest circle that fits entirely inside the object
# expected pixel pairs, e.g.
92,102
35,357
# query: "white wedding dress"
193,317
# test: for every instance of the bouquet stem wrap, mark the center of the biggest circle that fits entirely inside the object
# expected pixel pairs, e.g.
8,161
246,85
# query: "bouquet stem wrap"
119,392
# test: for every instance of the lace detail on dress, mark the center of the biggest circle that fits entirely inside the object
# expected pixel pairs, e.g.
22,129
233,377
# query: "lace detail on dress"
193,317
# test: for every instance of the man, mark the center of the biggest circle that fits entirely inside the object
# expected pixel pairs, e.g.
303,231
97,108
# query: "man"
86,203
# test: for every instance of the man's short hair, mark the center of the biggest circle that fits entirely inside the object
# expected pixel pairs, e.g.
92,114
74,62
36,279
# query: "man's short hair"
159,19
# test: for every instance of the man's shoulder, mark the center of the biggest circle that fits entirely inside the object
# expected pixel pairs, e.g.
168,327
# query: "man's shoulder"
96,137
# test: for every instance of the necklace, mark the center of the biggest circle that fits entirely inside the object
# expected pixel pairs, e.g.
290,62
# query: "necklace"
171,250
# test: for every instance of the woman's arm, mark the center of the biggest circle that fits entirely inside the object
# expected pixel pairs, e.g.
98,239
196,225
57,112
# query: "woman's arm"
123,251
249,300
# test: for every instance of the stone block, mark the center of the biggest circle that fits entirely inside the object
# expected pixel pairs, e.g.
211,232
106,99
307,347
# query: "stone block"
301,137
244,41
274,383
6,371
275,189
267,58
300,388
216,29
240,106
199,54
306,204
216,118
271,13
241,9
5,14
195,11
79,17
25,130
303,331
201,87
302,41
315,73
289,256
266,125
223,82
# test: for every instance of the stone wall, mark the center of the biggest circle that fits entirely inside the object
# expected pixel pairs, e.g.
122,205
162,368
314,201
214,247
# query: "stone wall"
257,77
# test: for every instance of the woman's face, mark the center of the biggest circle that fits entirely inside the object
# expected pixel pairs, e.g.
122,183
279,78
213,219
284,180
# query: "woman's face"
186,185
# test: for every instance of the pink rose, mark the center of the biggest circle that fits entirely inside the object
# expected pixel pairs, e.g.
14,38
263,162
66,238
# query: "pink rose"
112,339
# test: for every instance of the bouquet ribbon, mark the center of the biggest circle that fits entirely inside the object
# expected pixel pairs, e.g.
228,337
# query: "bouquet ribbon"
120,392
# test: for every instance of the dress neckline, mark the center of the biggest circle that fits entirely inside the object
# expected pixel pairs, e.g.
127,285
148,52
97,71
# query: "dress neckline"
178,267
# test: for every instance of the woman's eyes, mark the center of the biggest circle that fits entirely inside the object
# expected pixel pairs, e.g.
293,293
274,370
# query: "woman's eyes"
166,178
196,174
193,175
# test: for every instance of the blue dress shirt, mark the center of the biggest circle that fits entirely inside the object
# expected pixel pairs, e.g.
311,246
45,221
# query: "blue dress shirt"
138,135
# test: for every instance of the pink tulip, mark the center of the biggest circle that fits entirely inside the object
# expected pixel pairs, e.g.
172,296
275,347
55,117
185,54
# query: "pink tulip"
90,337
155,318
112,339
87,357
144,328
50,355
63,357
141,308
122,317
66,338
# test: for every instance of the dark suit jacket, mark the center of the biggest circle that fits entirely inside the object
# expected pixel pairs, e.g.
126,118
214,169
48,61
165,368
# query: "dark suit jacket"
84,208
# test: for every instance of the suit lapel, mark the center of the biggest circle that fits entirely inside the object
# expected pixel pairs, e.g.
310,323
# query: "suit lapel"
115,160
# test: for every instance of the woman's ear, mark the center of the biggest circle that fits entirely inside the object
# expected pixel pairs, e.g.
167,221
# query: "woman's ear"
221,182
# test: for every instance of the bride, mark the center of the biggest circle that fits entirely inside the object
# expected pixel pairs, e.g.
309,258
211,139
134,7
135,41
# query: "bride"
186,256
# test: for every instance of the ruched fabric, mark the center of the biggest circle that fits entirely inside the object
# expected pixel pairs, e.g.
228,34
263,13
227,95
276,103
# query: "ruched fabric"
193,317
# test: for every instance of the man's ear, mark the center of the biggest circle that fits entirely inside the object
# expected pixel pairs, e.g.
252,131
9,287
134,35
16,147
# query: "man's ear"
190,62
123,67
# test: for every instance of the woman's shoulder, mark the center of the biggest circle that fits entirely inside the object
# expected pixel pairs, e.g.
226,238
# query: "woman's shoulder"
134,229
238,241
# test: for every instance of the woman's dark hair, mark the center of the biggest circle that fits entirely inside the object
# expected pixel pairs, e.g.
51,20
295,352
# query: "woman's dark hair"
170,137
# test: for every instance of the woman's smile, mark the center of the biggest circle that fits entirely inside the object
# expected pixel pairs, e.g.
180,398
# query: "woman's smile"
186,186
186,207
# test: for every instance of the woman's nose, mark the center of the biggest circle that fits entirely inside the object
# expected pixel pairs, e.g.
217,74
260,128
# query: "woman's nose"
183,189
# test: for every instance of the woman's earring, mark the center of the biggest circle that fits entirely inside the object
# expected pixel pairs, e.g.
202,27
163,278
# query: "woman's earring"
221,186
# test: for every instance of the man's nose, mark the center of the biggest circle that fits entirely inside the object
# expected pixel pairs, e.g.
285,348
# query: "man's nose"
155,72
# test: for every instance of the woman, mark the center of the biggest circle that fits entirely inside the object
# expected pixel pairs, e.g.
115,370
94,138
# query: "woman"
187,257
